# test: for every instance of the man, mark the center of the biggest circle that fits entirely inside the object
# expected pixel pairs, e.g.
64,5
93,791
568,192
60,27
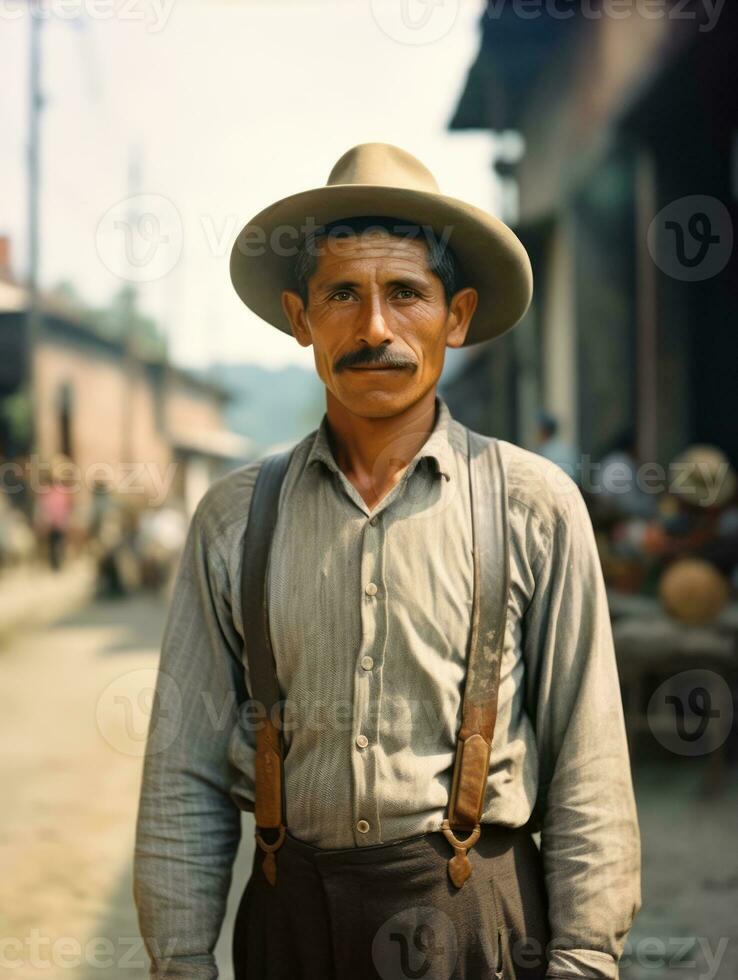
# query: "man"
432,642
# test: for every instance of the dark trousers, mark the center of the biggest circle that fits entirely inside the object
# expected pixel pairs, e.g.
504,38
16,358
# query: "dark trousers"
390,912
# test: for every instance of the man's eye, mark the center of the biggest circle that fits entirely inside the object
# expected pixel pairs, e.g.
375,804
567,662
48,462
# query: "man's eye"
406,293
342,295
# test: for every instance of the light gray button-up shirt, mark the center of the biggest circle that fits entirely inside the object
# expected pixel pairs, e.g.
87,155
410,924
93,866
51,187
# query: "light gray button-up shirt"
370,617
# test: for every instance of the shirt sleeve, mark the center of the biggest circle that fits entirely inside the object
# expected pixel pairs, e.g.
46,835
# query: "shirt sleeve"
590,841
188,827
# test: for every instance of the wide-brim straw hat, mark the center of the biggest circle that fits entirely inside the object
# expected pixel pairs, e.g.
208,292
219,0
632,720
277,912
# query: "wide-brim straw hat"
378,179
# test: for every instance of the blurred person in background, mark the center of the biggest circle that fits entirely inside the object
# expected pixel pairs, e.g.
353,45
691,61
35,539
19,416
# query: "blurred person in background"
410,559
553,447
54,506
118,564
619,493
699,515
622,511
695,518
134,547
17,541
159,541
100,507
108,536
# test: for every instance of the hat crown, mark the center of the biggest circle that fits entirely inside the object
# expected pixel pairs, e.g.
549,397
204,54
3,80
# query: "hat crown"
383,165
379,179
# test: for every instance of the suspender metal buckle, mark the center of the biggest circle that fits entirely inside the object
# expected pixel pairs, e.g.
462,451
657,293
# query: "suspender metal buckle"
269,864
459,866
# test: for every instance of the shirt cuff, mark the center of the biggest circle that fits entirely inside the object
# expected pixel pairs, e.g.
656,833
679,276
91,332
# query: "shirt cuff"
581,964
185,968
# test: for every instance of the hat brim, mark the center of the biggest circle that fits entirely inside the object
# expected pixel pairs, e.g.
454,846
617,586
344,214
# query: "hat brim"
490,256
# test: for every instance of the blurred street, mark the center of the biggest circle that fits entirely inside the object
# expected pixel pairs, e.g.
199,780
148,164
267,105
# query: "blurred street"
686,928
72,712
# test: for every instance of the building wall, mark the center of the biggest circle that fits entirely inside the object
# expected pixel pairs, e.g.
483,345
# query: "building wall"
654,351
627,116
112,417
558,333
189,409
121,416
605,312
573,110
482,394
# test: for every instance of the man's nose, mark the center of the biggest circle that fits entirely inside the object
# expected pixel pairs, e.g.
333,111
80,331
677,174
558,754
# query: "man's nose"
373,327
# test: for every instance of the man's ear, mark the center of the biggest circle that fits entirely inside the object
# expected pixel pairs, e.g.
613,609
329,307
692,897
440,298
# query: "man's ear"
460,312
294,310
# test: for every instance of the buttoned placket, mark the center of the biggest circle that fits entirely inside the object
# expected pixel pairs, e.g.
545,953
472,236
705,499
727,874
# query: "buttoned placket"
370,658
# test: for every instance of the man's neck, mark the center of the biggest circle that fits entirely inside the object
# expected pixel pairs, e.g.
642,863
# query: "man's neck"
373,453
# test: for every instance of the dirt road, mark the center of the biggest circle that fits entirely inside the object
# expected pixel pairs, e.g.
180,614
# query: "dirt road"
72,730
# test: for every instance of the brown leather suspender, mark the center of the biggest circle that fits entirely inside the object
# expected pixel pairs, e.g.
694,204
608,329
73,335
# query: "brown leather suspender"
269,809
479,707
486,642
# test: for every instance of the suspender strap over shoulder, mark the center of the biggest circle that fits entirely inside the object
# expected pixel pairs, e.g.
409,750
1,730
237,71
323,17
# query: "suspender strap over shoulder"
269,808
490,533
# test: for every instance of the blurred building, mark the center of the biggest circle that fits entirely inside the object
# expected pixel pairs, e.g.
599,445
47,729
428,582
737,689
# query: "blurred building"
624,113
114,412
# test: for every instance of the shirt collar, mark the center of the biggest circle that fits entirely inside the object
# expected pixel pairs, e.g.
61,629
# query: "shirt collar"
436,449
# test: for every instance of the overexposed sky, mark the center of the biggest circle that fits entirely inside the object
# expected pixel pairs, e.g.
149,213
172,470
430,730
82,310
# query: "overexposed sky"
227,105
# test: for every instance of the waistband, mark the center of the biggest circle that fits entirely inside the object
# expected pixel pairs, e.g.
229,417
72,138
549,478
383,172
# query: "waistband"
494,834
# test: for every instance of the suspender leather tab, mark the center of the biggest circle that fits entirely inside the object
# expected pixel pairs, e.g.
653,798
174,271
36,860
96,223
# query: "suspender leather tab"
268,776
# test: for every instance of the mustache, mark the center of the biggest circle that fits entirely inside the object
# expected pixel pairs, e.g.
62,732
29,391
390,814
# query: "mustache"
377,356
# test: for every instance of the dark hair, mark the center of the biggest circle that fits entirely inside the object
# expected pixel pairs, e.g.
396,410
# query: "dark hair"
441,259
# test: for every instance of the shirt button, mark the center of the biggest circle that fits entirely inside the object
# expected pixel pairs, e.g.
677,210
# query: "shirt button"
373,521
371,589
363,826
362,741
367,663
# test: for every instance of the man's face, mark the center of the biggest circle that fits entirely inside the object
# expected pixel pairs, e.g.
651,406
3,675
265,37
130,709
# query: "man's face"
378,322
